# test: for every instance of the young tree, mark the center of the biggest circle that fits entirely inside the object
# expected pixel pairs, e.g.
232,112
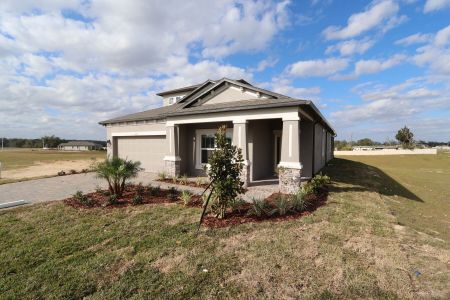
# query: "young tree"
365,142
117,171
225,167
405,137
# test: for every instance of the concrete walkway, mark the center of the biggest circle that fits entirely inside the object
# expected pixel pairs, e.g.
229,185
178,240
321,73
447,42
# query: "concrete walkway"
61,187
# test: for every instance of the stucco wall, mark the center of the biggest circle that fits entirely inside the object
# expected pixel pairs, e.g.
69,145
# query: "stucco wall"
306,147
231,94
319,148
166,98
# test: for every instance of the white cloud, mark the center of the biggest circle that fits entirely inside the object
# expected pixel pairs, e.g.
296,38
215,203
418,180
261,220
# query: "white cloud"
319,67
350,47
436,54
284,86
433,5
378,14
269,62
384,109
416,38
79,62
374,66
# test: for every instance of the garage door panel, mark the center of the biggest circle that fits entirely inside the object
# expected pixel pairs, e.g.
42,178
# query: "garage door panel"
149,150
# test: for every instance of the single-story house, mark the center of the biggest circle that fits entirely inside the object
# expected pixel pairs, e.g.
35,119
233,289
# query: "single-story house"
79,146
279,136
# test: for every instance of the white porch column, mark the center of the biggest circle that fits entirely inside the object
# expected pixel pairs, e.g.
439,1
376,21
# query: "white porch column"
172,158
240,129
289,168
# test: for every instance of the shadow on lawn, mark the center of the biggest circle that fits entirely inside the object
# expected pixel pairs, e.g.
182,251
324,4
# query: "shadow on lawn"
365,178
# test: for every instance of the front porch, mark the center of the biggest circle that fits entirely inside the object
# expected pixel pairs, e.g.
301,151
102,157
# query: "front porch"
272,146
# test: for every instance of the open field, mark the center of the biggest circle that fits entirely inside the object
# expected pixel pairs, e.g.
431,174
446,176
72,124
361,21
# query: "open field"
360,245
22,164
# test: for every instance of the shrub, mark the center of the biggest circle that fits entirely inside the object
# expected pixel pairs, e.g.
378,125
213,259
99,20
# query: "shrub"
137,199
140,190
186,197
82,199
199,181
299,202
61,173
174,179
259,208
73,171
162,175
184,180
112,199
84,170
117,171
225,167
173,194
237,204
283,205
318,182
98,189
156,191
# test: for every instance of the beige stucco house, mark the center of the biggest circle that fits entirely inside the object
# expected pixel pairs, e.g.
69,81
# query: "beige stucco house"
279,136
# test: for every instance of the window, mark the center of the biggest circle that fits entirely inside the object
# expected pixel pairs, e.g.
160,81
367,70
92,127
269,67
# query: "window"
206,145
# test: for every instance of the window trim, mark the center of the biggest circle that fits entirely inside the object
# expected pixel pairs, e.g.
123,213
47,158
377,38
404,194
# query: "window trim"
198,144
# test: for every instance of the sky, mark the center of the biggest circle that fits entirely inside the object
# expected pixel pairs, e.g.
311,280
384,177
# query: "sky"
371,67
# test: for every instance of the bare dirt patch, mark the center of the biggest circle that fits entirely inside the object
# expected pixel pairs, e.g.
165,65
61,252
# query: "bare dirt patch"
47,169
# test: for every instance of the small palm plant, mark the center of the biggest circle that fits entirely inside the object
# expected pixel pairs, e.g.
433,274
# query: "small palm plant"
117,171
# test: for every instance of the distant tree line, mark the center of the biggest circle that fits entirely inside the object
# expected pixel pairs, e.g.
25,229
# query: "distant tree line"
45,141
404,137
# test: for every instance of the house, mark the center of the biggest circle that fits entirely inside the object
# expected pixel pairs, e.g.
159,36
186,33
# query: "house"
279,135
79,146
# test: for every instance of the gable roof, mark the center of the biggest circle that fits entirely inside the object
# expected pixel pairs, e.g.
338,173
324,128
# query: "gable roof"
185,105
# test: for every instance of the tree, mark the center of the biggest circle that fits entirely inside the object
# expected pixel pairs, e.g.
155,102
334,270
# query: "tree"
405,137
225,167
365,142
117,171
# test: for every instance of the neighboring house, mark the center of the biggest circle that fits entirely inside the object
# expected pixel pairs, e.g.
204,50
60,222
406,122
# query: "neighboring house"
79,146
277,134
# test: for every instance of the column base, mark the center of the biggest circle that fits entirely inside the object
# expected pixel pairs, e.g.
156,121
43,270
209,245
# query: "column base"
173,167
245,175
289,179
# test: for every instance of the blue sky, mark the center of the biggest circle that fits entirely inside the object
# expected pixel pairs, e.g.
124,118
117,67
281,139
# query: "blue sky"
370,66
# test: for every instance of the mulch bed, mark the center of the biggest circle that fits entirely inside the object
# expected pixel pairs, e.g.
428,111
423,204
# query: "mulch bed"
100,199
241,217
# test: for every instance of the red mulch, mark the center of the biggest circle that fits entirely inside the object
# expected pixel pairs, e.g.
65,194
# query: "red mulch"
236,217
99,199
241,217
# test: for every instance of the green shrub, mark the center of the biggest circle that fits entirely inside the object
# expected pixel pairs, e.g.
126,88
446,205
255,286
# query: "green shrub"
173,194
260,208
162,175
112,199
174,179
116,171
237,204
318,182
283,205
137,199
140,190
82,199
186,197
299,202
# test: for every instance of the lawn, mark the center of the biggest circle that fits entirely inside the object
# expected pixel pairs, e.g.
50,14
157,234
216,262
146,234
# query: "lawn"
359,245
13,158
24,164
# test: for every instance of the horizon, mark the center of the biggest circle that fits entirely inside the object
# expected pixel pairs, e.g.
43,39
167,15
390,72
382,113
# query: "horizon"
371,67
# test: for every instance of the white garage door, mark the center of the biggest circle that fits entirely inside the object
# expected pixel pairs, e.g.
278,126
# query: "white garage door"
149,150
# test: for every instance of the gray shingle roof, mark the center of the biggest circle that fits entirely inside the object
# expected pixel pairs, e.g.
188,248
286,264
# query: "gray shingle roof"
183,108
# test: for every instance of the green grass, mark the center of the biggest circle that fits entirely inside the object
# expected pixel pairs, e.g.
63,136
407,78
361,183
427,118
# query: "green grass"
356,246
14,158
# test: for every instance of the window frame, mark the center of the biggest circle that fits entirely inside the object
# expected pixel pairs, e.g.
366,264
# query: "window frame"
198,144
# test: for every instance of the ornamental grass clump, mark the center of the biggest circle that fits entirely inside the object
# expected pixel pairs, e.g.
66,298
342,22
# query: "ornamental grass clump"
186,197
117,171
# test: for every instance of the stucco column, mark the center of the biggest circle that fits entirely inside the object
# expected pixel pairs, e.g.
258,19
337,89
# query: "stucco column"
172,159
240,129
289,168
